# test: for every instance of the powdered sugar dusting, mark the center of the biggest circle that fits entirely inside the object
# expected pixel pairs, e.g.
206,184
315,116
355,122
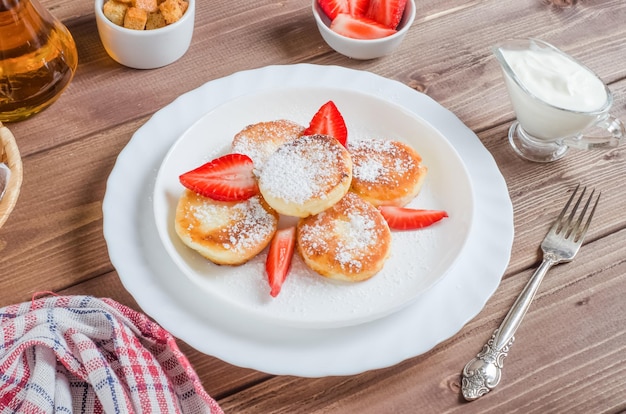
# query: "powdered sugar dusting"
360,236
417,258
301,169
243,225
347,232
379,161
262,139
369,170
257,151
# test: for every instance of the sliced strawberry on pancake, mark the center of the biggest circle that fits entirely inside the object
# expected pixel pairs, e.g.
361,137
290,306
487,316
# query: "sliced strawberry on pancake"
279,258
227,178
359,27
328,121
386,12
401,218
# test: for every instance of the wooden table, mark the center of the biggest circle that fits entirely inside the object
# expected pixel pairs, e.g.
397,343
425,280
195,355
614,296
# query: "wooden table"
569,355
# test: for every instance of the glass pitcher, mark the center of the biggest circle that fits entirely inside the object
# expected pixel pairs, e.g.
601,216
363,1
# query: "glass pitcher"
559,103
38,59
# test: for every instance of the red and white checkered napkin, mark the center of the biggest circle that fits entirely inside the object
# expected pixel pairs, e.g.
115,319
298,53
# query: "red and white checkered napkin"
80,354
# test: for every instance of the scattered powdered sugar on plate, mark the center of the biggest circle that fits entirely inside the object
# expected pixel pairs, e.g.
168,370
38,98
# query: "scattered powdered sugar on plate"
246,287
418,259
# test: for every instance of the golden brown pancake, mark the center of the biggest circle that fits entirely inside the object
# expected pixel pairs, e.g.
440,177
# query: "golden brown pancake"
229,233
386,172
259,141
350,241
306,175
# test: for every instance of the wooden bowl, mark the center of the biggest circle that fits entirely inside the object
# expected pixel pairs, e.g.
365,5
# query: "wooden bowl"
10,155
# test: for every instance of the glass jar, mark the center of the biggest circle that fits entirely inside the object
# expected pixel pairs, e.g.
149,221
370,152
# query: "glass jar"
38,59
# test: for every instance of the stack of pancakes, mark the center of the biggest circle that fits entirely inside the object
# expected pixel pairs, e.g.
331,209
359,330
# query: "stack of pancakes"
333,191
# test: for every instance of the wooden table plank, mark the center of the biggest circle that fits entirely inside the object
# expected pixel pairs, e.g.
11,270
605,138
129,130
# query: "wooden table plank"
455,68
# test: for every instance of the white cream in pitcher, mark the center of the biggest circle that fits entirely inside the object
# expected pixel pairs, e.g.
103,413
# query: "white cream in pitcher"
557,80
572,92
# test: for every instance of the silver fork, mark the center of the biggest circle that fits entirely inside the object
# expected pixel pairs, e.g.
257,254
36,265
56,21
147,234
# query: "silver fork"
561,244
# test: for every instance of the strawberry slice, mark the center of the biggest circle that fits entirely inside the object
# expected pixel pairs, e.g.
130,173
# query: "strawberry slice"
359,27
401,218
386,12
328,121
357,7
227,178
279,258
333,7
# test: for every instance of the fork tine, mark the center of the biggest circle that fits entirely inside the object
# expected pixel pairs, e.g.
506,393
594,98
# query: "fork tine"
573,230
558,223
583,231
568,228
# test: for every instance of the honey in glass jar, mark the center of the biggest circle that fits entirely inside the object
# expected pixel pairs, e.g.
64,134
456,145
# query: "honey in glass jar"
38,59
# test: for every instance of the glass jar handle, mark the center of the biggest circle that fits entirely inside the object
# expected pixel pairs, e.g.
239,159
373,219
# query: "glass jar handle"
611,125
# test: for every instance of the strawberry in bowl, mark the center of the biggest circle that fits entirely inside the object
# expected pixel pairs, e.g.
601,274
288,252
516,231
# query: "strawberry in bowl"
363,29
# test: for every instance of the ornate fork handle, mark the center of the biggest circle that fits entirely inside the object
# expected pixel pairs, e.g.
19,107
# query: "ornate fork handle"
560,244
483,372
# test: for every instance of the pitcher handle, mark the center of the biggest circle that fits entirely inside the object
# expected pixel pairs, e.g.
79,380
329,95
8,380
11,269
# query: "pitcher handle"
612,125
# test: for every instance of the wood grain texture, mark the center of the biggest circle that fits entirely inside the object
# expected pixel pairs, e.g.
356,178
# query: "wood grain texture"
569,355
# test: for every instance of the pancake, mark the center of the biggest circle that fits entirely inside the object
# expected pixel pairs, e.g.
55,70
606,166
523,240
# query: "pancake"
229,233
306,175
259,141
350,241
386,172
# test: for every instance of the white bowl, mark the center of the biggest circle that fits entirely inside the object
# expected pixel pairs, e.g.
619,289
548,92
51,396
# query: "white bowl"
146,49
364,48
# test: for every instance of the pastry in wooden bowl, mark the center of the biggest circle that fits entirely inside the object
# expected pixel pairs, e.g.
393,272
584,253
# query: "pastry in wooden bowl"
350,241
386,172
10,156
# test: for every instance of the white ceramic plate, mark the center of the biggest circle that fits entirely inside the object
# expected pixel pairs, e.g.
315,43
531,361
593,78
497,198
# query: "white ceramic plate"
418,259
178,305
